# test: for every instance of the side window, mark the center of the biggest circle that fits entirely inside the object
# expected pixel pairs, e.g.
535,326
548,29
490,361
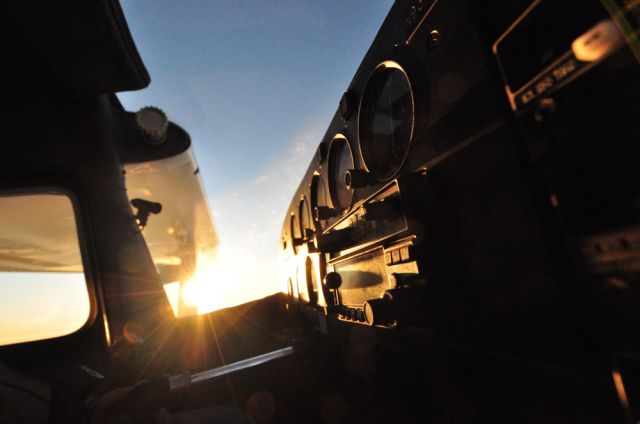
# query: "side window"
43,291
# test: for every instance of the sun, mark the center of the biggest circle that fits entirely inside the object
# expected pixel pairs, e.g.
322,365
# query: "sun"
209,289
222,279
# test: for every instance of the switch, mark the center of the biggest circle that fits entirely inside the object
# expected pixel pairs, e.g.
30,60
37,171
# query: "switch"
332,281
405,254
395,256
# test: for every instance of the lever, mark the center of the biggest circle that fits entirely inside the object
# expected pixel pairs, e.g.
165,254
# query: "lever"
333,281
184,381
145,208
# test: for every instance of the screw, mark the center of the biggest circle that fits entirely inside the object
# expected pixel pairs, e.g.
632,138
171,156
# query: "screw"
433,41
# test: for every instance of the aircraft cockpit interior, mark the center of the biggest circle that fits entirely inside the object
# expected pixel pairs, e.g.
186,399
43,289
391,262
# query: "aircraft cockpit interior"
456,241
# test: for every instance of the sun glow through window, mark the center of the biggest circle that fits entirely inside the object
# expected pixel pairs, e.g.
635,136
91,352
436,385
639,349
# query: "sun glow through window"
222,279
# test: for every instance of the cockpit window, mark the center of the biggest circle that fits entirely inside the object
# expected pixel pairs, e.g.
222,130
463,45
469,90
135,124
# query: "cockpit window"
43,291
182,231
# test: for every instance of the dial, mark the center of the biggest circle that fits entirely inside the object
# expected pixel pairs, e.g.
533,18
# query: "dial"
340,161
305,217
386,120
294,228
318,199
312,282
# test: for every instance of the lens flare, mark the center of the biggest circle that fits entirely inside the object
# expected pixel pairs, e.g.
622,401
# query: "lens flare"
222,279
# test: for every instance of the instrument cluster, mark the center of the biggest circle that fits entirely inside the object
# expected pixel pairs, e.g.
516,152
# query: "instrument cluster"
365,147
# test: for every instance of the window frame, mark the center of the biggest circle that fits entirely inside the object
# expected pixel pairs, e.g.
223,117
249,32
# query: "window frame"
84,242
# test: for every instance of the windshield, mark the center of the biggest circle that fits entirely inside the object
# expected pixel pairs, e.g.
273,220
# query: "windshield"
181,236
254,84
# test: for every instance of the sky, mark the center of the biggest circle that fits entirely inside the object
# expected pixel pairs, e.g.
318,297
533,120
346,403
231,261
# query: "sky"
255,84
25,317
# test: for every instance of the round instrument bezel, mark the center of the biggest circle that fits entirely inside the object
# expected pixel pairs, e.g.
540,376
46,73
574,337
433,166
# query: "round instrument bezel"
314,202
331,171
293,228
303,206
373,78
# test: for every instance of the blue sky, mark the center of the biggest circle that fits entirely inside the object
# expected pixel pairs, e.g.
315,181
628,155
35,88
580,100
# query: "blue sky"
256,85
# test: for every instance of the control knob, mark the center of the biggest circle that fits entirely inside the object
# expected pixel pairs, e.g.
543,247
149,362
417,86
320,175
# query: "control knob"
357,178
332,280
154,124
379,311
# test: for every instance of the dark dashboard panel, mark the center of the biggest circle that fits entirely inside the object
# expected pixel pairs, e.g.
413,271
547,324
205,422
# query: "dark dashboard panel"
481,191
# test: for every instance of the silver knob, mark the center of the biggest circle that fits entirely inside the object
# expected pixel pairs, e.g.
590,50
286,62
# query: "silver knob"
154,124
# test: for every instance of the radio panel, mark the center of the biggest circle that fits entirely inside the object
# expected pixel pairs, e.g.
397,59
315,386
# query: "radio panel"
378,218
364,277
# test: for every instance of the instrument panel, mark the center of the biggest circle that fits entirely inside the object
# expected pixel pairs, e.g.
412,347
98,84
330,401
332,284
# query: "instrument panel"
469,170
477,187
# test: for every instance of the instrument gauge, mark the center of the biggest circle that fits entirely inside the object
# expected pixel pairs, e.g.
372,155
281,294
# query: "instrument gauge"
305,217
294,228
386,120
340,161
318,199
